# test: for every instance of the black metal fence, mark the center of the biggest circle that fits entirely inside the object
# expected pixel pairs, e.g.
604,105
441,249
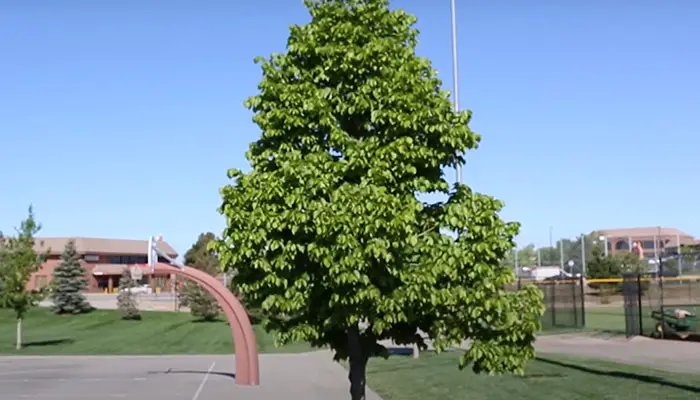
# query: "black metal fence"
632,293
661,306
564,303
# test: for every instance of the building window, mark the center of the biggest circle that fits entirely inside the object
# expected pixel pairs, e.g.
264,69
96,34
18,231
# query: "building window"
136,260
128,259
91,258
41,281
622,245
648,244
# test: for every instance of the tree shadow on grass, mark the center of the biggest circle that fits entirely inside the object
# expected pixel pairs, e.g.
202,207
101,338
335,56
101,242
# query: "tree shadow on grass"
400,351
621,375
216,320
51,342
171,371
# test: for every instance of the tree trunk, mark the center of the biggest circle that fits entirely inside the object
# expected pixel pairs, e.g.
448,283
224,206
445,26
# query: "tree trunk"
18,344
416,351
358,364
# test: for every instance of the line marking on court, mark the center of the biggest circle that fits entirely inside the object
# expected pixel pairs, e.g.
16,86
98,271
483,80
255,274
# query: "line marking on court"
204,382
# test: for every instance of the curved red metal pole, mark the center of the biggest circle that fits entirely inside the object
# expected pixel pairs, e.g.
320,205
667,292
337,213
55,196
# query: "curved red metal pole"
246,351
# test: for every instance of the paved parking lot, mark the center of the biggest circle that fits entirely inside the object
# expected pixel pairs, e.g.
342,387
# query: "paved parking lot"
311,376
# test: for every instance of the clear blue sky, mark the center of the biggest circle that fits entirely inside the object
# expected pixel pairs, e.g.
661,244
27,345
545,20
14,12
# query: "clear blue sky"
120,118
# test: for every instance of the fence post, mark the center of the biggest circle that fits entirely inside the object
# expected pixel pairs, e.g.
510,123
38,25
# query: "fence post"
582,282
661,296
639,304
573,290
690,292
554,303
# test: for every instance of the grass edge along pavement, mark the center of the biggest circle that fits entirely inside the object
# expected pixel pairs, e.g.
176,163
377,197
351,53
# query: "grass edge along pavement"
102,332
548,377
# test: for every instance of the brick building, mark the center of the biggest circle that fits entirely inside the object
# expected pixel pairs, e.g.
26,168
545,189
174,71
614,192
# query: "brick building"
104,261
653,241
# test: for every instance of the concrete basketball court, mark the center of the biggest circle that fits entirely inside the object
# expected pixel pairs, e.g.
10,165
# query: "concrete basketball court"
669,355
309,376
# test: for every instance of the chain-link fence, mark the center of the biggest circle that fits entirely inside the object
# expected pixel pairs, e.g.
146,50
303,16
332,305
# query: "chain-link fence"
564,302
661,306
684,264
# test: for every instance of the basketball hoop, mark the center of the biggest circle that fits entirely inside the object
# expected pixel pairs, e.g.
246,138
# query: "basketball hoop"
136,273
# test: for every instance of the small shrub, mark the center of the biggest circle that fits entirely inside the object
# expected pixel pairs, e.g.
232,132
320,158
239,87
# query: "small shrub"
127,302
202,305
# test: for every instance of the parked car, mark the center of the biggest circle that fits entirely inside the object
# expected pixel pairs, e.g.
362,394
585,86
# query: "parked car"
141,289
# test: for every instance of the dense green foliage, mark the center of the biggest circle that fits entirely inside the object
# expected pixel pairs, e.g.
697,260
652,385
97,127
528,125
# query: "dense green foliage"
127,300
68,284
601,266
202,304
18,261
327,231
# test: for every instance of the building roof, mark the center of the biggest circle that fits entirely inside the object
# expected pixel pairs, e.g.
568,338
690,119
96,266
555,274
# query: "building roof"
84,245
648,232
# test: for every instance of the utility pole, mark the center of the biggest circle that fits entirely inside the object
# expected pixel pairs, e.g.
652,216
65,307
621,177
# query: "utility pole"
455,72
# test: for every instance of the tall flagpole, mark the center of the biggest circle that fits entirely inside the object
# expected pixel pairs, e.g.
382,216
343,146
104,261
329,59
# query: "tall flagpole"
455,73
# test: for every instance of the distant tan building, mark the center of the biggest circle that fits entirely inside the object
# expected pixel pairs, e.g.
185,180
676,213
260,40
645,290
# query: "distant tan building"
652,240
104,261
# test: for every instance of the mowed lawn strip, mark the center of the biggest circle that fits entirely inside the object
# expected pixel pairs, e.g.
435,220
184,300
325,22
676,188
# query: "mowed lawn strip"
102,332
436,377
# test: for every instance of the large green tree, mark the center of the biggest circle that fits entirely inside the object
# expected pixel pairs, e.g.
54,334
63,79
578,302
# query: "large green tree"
202,304
68,284
327,231
18,261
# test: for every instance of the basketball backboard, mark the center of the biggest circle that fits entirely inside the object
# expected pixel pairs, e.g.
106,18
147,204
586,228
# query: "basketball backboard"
156,255
136,273
152,254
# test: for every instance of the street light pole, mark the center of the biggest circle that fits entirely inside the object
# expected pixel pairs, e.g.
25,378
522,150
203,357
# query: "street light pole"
455,73
604,239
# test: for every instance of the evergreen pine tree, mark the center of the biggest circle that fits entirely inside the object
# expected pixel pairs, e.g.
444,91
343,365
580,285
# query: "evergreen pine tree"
126,299
68,284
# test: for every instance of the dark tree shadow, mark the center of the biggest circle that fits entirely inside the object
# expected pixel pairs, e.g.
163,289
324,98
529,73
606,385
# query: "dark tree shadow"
621,375
692,337
171,371
51,342
207,321
400,351
408,351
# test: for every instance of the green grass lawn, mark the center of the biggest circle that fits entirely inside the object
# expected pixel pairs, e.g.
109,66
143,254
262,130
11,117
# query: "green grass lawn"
103,332
609,319
436,377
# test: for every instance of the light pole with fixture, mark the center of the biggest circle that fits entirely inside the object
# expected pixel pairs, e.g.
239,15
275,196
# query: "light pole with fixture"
604,239
455,72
